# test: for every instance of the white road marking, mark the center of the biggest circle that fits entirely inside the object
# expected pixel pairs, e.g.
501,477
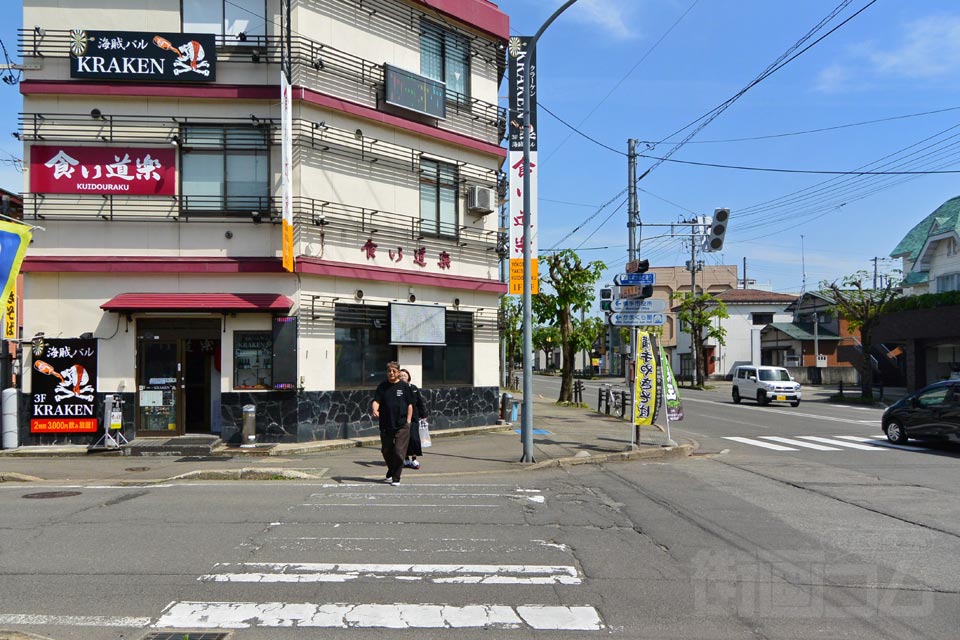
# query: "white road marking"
786,412
73,621
800,443
881,441
759,443
285,572
840,443
243,615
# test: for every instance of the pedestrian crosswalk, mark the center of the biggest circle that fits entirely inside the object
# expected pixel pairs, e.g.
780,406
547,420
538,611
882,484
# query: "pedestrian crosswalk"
321,567
876,443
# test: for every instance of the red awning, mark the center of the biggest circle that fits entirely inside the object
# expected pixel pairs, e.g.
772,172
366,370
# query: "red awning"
236,302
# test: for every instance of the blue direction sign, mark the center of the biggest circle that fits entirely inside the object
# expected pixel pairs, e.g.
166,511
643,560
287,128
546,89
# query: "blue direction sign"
627,279
637,319
648,305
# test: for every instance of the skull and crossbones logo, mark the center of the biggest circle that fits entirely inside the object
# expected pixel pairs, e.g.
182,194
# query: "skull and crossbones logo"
74,381
190,56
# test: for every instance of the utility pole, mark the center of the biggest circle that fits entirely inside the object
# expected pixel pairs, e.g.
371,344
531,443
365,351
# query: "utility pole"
744,272
633,216
875,260
693,294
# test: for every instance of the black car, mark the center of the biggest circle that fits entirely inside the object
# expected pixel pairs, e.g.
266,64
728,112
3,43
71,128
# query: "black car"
933,413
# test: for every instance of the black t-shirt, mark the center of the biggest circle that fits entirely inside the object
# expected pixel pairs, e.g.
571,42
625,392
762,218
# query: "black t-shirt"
394,400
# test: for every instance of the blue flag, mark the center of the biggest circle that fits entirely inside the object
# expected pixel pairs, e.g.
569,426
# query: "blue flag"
14,239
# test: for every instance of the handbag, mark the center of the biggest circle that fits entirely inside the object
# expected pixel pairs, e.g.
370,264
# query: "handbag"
425,434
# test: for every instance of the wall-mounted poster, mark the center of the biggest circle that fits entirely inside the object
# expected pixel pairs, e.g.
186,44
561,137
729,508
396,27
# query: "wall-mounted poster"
64,383
143,56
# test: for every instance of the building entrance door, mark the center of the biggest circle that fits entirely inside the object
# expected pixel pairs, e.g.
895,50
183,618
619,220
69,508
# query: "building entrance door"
177,379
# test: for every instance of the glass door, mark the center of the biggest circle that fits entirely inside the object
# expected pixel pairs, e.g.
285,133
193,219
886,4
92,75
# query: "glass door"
158,387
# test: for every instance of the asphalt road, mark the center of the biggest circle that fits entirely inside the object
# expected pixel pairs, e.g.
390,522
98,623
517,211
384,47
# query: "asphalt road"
739,541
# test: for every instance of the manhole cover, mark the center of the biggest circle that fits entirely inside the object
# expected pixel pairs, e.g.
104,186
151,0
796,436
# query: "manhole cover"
184,635
137,469
51,494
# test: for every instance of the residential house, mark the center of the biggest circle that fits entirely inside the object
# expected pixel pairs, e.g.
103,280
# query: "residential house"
926,331
816,345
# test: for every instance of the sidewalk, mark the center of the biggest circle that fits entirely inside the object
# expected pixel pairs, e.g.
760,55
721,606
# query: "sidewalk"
562,436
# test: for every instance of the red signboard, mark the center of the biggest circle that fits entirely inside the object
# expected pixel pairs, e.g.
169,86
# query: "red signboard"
127,171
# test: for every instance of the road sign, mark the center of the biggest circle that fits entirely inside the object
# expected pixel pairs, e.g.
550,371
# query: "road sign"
637,319
649,305
627,279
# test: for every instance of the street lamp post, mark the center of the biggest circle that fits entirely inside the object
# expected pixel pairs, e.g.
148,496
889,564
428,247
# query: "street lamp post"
526,422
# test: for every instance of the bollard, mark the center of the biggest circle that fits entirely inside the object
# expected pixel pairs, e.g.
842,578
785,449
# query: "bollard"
605,390
248,436
505,401
10,438
841,388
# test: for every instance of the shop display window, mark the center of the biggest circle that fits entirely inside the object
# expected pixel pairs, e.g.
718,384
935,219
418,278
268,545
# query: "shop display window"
252,360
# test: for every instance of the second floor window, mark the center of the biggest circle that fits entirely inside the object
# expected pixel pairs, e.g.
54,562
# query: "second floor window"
445,57
762,318
948,282
438,198
227,18
225,169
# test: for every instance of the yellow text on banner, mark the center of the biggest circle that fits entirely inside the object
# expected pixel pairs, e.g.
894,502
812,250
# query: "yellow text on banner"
10,316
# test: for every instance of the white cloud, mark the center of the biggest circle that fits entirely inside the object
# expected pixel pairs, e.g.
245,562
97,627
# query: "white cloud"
610,15
927,49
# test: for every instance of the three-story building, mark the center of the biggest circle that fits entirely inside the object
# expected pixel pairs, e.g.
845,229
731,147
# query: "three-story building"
189,267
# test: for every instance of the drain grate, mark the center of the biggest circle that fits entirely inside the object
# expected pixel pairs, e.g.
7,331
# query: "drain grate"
51,494
203,459
184,635
137,469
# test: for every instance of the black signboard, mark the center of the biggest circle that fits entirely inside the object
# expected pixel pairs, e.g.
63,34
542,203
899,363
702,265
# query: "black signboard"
64,386
285,352
523,85
144,56
415,92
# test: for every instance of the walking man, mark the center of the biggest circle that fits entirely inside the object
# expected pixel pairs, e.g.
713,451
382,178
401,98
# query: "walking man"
393,406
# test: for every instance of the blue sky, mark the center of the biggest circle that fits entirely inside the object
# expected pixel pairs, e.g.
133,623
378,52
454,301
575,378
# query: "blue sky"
602,69
645,68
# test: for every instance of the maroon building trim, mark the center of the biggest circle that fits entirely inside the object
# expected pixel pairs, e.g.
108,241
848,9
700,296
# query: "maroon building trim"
479,14
255,92
310,266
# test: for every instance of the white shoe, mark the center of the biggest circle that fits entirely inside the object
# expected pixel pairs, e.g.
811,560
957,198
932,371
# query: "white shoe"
395,482
407,464
415,464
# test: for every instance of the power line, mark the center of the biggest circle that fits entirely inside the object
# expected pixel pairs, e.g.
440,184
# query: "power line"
578,132
805,171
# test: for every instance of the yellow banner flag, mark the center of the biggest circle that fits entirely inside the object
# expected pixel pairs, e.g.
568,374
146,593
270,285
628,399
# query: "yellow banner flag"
645,389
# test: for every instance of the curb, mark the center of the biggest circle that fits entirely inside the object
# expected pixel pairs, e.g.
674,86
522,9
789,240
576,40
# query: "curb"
307,448
18,477
668,453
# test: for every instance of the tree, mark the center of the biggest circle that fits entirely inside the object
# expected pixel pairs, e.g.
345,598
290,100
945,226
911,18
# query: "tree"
698,313
545,339
510,320
862,308
565,289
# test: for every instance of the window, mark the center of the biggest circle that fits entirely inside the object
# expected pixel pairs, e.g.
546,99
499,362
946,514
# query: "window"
451,364
439,198
226,18
934,397
762,318
948,282
362,345
252,360
445,57
225,169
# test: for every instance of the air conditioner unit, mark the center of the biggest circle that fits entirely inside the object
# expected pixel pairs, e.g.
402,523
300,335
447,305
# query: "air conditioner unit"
481,200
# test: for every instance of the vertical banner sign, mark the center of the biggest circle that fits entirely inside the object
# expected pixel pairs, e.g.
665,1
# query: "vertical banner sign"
523,86
10,316
14,240
286,169
64,383
671,394
645,391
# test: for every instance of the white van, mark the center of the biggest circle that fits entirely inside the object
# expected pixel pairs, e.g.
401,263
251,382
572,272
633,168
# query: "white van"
765,384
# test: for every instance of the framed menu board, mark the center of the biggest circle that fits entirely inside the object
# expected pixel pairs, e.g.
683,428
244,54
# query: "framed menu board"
252,360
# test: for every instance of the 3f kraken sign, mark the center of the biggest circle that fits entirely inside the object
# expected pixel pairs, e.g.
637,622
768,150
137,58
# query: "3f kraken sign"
143,56
64,386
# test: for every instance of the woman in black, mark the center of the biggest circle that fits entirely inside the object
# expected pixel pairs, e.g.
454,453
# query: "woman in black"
393,408
414,449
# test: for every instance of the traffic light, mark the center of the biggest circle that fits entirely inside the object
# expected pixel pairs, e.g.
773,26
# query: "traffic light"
718,229
642,266
645,291
606,297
